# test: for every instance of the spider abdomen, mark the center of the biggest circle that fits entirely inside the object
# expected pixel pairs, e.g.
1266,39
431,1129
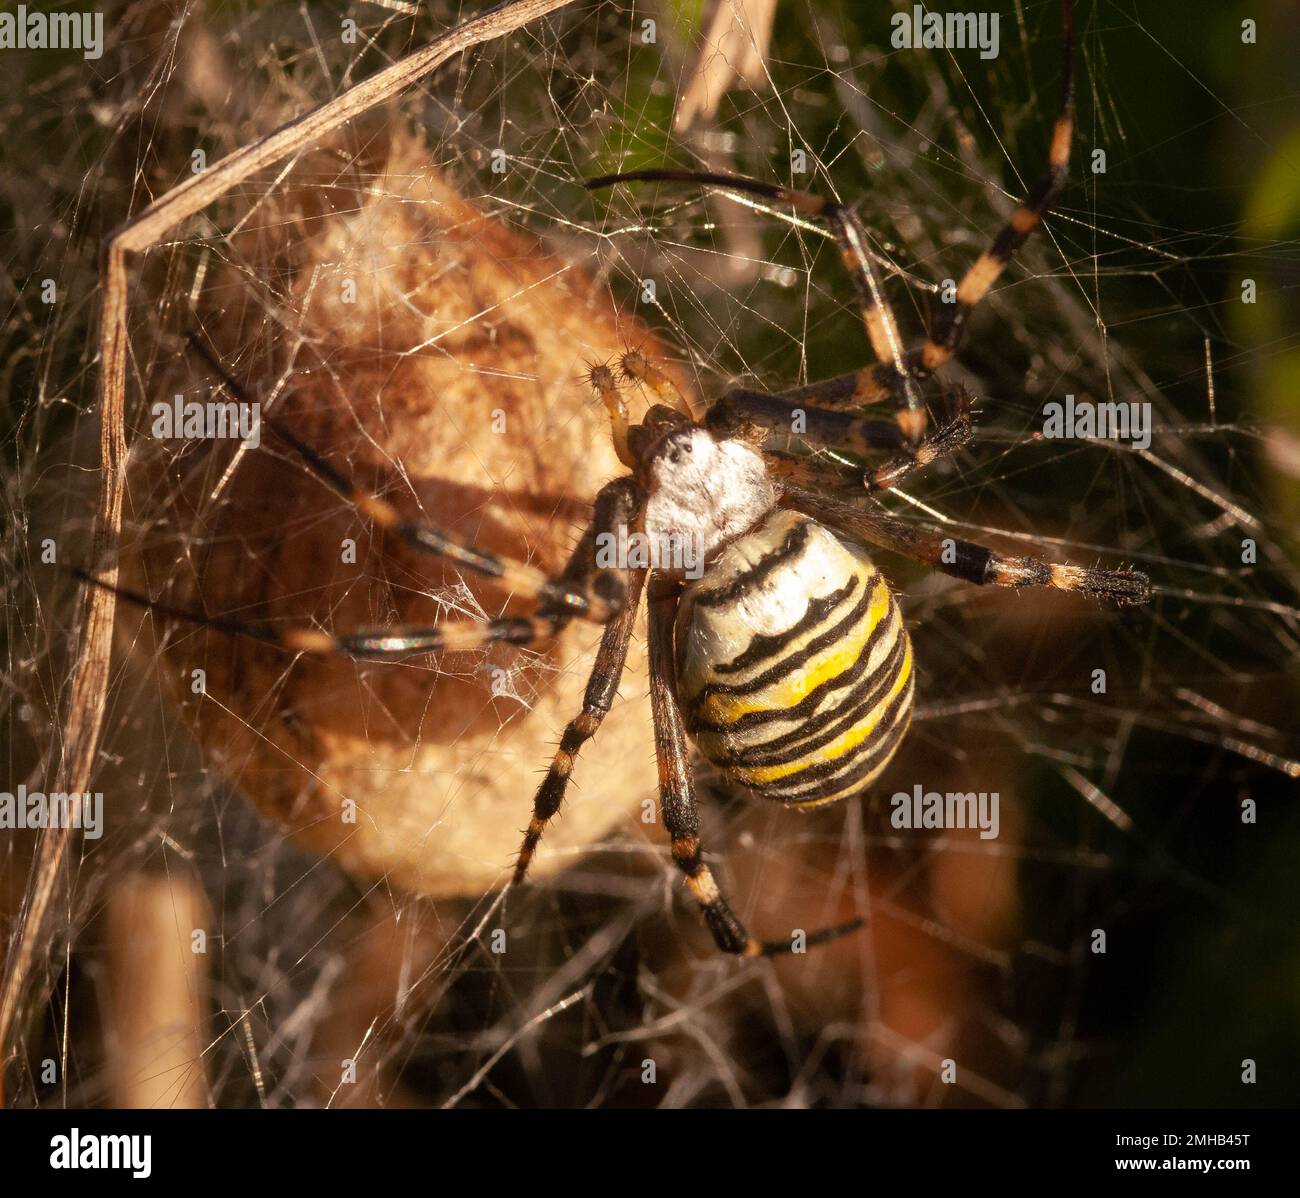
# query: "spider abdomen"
794,667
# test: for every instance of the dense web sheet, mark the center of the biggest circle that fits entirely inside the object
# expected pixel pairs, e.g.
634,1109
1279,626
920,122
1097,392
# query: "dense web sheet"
1145,759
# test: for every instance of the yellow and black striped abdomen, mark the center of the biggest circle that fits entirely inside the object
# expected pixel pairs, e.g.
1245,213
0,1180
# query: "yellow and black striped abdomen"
794,668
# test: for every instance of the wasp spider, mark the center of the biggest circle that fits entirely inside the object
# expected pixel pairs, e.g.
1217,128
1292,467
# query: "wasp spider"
786,660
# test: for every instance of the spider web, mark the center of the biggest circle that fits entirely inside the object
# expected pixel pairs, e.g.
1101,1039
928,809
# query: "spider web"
1120,940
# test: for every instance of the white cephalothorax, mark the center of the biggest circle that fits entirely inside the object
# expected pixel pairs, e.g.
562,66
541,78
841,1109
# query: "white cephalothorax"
711,491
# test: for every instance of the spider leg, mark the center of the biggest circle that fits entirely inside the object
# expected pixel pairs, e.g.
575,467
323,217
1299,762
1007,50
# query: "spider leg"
452,636
856,389
558,596
840,430
825,426
639,368
677,795
818,474
605,385
617,504
981,276
611,657
967,560
851,237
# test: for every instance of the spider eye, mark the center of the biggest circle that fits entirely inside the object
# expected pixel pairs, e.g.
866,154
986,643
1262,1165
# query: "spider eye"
675,447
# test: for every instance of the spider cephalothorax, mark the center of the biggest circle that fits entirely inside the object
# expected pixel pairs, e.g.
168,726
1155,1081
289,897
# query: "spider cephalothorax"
705,490
774,642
